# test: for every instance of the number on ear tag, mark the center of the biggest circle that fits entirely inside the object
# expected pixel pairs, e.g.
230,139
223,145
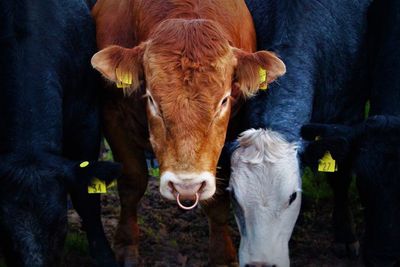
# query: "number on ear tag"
97,186
327,163
263,79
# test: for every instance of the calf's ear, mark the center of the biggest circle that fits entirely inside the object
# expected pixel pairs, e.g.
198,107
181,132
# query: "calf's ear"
123,66
247,74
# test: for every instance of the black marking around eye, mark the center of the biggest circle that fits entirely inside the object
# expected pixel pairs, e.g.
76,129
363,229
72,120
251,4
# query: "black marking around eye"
292,198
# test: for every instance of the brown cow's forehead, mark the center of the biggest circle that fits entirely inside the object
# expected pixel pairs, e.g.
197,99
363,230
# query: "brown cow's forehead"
191,78
198,40
200,88
190,56
188,68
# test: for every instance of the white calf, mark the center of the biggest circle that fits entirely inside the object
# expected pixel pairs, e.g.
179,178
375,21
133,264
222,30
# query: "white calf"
266,196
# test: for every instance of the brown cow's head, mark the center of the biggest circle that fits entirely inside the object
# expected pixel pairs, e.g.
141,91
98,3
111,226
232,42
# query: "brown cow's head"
191,75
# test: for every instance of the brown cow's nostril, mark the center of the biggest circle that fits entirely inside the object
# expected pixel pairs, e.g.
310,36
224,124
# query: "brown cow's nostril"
171,185
202,187
186,190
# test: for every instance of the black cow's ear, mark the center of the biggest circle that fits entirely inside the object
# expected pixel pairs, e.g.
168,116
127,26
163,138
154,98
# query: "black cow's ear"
83,172
314,131
335,138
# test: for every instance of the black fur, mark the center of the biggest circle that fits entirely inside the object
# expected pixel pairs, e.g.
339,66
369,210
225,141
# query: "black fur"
49,123
372,147
321,43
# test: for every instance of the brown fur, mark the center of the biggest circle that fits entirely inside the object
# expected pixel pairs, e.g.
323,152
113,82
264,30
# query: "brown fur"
187,66
189,55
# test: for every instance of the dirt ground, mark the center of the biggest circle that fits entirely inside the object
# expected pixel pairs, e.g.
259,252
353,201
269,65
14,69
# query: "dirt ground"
173,237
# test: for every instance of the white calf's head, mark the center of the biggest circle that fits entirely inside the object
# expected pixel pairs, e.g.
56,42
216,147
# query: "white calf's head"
266,195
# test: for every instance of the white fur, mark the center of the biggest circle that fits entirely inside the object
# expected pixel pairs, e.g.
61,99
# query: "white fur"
187,179
265,173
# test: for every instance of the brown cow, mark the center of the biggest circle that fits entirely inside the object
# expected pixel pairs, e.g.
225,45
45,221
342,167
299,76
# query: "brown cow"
190,61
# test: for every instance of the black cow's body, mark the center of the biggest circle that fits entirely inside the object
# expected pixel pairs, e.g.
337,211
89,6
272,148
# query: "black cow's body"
48,125
372,147
323,46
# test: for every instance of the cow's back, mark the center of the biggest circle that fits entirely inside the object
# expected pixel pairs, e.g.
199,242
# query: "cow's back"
128,23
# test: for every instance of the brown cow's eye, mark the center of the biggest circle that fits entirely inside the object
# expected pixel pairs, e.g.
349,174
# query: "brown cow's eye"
225,101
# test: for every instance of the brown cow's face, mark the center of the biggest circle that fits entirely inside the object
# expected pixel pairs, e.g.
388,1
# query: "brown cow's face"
188,108
190,72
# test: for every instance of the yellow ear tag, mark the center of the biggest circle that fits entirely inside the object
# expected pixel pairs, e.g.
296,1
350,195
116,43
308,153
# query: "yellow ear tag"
327,163
84,164
263,79
124,78
97,186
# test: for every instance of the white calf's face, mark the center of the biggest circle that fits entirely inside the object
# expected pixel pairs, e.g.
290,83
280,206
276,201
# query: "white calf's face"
266,196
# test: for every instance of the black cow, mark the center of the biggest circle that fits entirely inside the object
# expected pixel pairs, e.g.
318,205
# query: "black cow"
372,147
322,44
49,124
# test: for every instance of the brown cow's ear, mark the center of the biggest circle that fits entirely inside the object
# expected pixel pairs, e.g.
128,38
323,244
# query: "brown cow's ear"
247,76
122,66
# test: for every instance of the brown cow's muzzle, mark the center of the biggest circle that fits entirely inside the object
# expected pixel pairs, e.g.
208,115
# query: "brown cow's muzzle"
184,187
187,192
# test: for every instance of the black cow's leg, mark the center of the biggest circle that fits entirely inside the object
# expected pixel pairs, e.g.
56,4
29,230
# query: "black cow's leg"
346,242
82,140
88,208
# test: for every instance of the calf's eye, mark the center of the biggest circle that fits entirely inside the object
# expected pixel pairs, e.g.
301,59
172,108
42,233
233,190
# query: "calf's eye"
292,198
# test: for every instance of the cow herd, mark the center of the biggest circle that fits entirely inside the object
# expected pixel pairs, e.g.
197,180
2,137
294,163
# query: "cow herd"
233,97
